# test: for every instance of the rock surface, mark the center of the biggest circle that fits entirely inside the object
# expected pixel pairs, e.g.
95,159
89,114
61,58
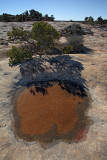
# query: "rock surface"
89,68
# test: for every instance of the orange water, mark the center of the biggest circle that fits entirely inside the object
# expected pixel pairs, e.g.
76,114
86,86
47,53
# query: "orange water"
40,112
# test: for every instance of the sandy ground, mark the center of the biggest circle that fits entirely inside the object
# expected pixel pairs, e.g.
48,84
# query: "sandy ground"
89,69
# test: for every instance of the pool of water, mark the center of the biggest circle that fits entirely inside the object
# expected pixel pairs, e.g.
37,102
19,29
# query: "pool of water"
48,111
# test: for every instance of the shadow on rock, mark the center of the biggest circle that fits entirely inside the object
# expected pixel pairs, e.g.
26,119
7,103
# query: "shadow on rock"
61,67
44,73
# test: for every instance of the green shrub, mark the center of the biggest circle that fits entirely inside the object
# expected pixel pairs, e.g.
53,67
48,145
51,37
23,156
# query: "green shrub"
71,29
6,18
76,28
18,55
18,33
44,34
68,49
40,38
75,44
100,20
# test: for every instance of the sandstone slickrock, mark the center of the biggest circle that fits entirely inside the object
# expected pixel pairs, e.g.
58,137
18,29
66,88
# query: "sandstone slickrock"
90,68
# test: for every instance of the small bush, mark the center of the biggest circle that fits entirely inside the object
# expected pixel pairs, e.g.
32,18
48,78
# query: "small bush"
76,29
18,33
44,34
39,39
68,49
17,55
75,44
72,29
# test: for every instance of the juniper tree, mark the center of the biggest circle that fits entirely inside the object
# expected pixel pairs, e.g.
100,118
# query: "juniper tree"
40,38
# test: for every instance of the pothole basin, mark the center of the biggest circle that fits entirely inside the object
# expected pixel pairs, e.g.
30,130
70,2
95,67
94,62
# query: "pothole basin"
49,111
